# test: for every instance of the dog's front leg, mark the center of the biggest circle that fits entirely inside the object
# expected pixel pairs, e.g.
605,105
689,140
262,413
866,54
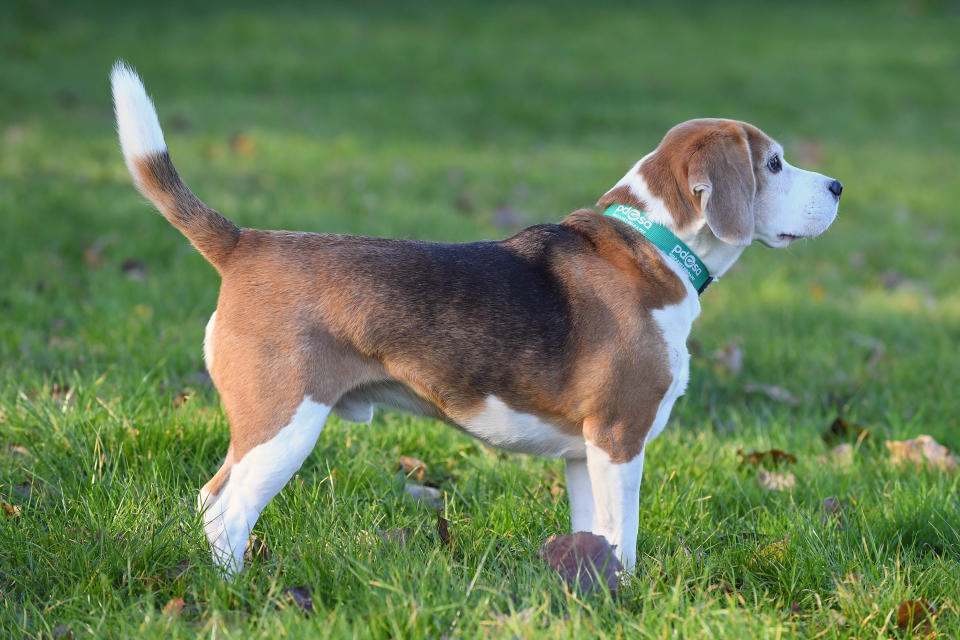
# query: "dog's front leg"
616,492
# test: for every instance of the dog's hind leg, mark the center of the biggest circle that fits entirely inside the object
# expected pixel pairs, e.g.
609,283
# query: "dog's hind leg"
583,513
234,498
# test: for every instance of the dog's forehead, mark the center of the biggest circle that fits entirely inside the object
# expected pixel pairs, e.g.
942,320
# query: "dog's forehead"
694,133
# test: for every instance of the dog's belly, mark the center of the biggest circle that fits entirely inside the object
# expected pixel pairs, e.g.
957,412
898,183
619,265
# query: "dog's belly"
495,424
499,425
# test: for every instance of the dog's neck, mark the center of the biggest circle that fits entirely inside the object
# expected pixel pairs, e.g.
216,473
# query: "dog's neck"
632,189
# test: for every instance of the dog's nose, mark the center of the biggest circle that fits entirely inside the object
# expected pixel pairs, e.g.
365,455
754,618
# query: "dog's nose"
836,188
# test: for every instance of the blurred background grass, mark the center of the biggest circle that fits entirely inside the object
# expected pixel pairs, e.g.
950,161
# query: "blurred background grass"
461,121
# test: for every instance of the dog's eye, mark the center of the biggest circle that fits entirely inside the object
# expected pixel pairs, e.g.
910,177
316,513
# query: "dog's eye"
774,164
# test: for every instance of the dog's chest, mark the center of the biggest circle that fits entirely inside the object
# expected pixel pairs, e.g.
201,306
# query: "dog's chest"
675,322
499,425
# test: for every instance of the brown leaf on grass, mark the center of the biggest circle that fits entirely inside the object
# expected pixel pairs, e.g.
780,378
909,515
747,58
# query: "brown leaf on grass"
776,481
427,495
832,511
583,560
915,615
9,510
922,451
725,588
729,358
840,430
173,607
773,456
779,394
243,144
775,552
182,398
256,549
413,468
443,531
300,596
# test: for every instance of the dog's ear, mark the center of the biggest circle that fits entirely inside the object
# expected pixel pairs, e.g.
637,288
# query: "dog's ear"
720,177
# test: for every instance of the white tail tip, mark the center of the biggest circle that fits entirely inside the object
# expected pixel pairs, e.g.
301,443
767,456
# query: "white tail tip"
137,122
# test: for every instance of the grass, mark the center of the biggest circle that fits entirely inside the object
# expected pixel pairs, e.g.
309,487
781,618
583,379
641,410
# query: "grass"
460,122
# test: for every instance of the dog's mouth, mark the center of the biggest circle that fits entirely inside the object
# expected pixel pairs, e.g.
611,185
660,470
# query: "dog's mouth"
789,237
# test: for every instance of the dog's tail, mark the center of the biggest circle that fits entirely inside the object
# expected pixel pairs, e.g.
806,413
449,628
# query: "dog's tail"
153,173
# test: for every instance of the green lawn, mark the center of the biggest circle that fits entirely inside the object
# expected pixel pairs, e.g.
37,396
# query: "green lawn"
457,122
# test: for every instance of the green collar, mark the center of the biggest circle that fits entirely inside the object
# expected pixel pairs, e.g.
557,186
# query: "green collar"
666,241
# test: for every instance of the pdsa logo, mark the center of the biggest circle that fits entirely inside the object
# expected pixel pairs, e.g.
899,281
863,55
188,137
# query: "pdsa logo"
634,216
686,259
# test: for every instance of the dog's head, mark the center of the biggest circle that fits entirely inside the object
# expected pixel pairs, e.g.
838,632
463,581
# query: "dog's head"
732,178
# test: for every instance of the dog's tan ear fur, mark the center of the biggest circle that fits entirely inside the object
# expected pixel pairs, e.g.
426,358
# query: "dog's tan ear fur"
720,175
704,168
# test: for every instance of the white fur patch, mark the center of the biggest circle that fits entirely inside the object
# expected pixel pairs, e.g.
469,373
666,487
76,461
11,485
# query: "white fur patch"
253,481
675,322
208,341
583,514
616,491
137,121
501,426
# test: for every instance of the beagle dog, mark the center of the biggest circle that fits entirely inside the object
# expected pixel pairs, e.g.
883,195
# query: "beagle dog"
566,340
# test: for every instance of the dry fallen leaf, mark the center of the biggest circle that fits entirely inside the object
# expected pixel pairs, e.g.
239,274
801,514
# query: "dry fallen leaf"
427,495
181,398
778,394
774,456
10,510
413,467
773,552
840,430
443,530
584,560
776,481
916,615
922,450
300,596
729,358
174,607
